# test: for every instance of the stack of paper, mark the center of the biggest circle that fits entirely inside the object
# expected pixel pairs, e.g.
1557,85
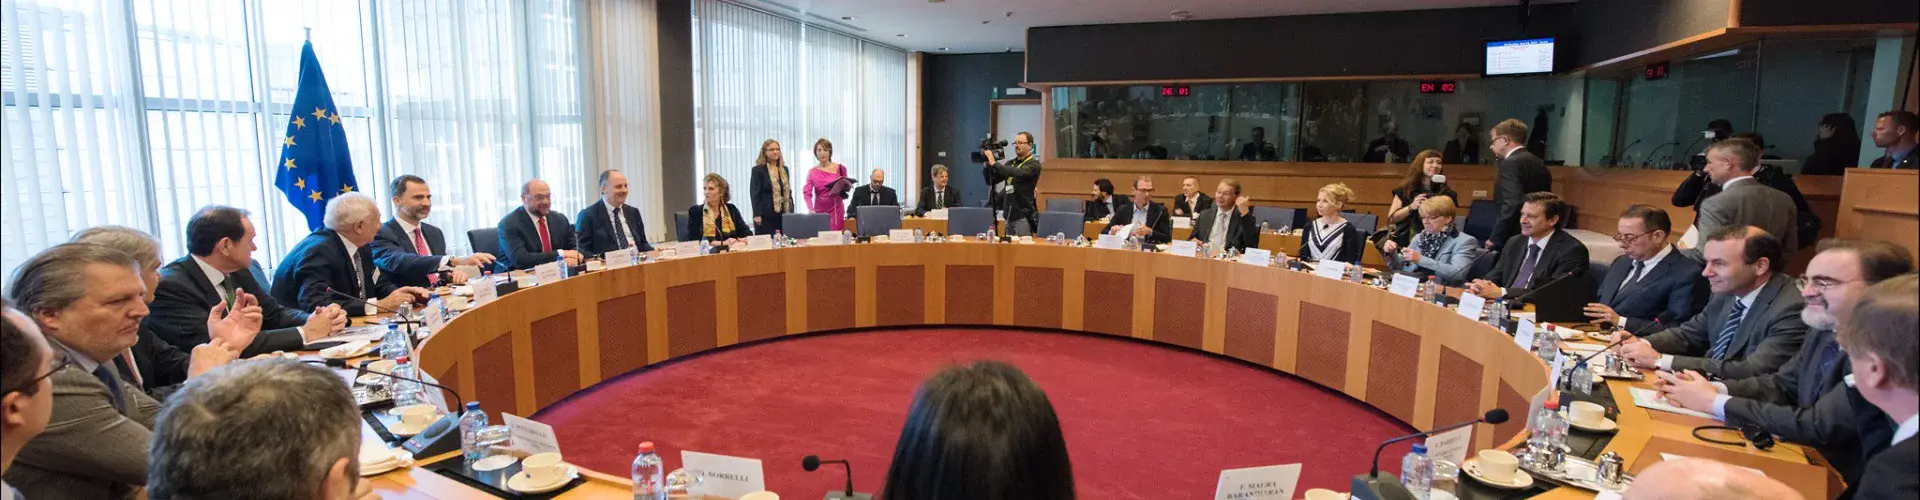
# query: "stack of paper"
1651,399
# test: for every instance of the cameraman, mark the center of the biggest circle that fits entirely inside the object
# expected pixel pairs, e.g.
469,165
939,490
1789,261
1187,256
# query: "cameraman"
1013,180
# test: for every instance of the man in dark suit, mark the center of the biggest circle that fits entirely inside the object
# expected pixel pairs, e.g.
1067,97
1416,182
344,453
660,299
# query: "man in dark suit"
1228,224
1750,327
1190,201
1103,204
532,234
609,224
938,196
336,262
1537,256
1520,173
874,193
1143,217
1743,200
411,251
1020,175
220,244
1886,373
1896,131
1649,278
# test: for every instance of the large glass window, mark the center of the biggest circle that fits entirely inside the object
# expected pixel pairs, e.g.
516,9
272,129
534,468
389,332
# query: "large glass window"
1250,122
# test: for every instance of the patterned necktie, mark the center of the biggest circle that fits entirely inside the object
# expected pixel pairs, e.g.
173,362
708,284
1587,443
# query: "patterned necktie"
1526,267
619,228
105,374
1720,343
1633,277
229,290
1829,356
546,243
420,247
359,276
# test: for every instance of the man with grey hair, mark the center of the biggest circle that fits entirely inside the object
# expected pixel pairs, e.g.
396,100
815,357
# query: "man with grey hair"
154,364
267,430
335,265
534,234
88,300
1702,479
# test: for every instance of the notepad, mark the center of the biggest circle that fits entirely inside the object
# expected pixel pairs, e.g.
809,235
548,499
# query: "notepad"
1650,399
1670,456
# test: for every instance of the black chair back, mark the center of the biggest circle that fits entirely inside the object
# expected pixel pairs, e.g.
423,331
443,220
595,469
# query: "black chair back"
1481,216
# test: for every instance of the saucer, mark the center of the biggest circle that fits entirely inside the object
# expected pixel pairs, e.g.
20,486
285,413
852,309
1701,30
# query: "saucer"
1600,336
1606,425
521,483
348,350
1521,479
372,379
401,429
395,459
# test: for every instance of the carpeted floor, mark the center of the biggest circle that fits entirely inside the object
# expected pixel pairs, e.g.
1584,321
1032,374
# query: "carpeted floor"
1141,421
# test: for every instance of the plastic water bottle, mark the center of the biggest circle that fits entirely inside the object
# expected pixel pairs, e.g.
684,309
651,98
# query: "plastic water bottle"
649,478
1546,344
406,392
779,239
1264,229
394,346
1416,472
705,247
471,420
1547,432
565,270
1430,291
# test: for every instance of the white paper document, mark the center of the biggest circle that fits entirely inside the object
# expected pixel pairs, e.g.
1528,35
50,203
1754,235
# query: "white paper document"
900,236
1110,242
1331,269
1650,399
1182,222
1523,334
483,291
760,242
548,273
619,258
1452,445
1257,256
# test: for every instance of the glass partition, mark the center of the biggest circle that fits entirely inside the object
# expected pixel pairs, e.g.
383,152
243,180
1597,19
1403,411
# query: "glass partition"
1390,121
1250,122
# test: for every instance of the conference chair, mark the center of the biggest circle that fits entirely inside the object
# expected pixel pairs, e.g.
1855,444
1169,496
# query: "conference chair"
1481,216
876,220
1066,205
968,221
1482,266
680,227
1366,223
802,226
1065,223
484,240
1276,217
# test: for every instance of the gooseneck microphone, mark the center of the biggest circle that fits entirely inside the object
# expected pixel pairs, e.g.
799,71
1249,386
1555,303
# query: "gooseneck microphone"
369,303
1494,416
1650,154
1530,291
362,370
1436,184
1623,158
1374,487
812,463
1665,317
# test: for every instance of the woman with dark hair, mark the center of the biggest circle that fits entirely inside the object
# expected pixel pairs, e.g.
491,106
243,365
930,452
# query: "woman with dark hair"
1403,214
1464,149
1836,149
826,186
982,431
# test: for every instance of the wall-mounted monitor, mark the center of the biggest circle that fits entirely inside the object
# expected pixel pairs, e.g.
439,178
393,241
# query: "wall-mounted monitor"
1526,56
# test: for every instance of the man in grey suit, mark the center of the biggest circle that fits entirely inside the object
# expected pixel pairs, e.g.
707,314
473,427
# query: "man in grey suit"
1751,325
89,300
1520,173
1743,201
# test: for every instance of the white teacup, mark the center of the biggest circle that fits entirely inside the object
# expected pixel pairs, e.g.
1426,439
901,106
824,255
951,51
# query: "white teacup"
1497,466
543,468
417,416
1588,414
1325,494
761,495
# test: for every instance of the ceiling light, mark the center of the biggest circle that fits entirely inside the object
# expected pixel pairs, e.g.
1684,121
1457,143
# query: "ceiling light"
943,49
1180,15
846,18
902,35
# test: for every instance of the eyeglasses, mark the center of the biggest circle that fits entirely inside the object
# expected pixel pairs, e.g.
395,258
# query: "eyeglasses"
1629,237
1819,283
63,363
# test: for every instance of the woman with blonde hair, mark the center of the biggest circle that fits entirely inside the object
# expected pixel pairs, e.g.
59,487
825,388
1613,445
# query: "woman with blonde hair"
1332,237
827,185
770,189
715,219
1440,250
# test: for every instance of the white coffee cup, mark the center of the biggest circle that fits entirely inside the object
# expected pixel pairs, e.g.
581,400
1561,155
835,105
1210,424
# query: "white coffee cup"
761,495
416,416
1497,466
543,468
1588,414
1325,494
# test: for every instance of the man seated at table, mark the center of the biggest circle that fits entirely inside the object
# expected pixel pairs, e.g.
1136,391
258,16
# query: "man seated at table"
1440,250
220,247
1702,479
276,429
533,234
875,192
1103,204
1229,223
1190,201
334,266
1644,281
411,251
610,224
939,196
1538,255
1143,217
1886,371
1786,402
1750,327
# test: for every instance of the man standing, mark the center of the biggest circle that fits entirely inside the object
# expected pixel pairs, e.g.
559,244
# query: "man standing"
1520,173
411,251
532,234
1886,371
1389,148
220,244
276,429
1143,217
1190,200
1644,283
1896,131
874,194
1743,200
1228,224
609,224
1537,256
940,195
334,266
1015,179
1257,149
1751,325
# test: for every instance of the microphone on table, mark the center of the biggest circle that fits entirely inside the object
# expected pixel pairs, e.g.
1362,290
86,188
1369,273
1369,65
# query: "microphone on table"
369,303
1624,158
812,463
1530,291
362,370
1664,318
441,436
1370,486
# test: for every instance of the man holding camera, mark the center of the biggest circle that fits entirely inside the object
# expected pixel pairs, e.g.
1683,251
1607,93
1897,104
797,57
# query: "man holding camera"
1013,180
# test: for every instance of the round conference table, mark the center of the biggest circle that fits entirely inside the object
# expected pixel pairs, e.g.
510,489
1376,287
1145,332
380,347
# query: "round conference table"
1423,364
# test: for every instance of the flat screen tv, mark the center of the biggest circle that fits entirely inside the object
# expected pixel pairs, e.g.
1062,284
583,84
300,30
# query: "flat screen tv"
1519,57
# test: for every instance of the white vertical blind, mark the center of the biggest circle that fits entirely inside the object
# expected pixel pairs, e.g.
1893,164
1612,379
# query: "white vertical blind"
625,117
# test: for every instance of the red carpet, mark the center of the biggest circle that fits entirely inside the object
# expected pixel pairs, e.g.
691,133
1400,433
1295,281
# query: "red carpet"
1141,421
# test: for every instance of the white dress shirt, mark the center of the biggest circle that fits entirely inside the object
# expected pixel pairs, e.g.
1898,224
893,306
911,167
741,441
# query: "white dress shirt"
213,274
412,229
619,221
1907,429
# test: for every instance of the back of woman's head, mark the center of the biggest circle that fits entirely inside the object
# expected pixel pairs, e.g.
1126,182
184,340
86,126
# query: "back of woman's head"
1844,130
982,431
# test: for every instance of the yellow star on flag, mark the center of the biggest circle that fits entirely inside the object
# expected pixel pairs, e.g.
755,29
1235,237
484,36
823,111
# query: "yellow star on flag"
346,189
289,163
319,113
335,118
299,122
289,141
315,196
300,183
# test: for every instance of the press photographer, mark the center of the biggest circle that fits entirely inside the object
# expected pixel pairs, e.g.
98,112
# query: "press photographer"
1013,181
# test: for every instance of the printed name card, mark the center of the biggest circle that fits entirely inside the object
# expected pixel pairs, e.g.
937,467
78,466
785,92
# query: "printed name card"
467,273
1182,222
1257,256
1523,334
483,291
619,258
1273,482
1472,306
830,238
530,436
1560,362
1110,242
686,249
435,314
1184,248
937,214
723,476
1404,285
760,242
548,273
1331,269
900,236
1452,445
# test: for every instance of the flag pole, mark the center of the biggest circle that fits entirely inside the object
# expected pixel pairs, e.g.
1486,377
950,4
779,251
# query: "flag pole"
309,32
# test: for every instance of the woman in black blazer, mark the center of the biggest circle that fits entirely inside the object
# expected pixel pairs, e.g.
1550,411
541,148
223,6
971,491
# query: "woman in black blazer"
1332,237
705,221
770,189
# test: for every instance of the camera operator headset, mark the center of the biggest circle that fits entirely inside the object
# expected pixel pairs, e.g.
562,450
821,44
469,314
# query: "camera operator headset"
1020,175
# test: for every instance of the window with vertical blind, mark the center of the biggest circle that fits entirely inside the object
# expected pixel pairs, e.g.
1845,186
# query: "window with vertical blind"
762,76
138,112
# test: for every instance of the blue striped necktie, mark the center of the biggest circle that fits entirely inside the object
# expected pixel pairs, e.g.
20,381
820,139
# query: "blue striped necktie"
1720,344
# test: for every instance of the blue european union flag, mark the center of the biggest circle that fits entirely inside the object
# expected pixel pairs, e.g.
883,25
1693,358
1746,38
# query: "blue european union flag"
315,165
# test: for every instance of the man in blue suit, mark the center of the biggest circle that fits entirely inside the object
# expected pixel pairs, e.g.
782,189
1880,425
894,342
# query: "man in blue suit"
408,249
1644,281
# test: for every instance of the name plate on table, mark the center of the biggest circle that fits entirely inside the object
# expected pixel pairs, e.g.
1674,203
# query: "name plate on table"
723,476
467,273
1184,248
1472,306
686,249
1523,334
900,236
483,291
1404,285
1257,256
937,214
1183,223
1331,269
530,436
760,242
830,238
548,273
434,317
1110,242
619,258
1452,445
1273,482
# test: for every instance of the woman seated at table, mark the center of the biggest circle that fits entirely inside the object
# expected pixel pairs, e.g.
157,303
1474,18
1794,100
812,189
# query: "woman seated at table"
980,431
715,219
1441,250
1403,215
1331,237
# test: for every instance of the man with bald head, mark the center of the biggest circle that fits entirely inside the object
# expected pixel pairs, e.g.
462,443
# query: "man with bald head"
533,234
339,257
1702,479
874,193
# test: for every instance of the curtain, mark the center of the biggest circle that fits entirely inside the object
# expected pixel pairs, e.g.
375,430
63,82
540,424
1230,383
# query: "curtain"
625,116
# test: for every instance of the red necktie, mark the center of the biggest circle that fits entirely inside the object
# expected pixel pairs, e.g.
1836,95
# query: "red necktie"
420,246
546,243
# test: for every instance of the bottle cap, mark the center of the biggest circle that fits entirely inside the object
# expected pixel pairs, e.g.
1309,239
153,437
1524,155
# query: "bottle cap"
1420,448
646,447
473,406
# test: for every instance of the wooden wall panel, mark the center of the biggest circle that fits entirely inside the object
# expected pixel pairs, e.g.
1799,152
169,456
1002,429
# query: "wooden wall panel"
1037,296
1882,205
970,295
1283,184
494,377
1180,312
1323,345
830,299
556,358
691,323
1391,369
623,334
1109,303
761,306
1250,329
903,288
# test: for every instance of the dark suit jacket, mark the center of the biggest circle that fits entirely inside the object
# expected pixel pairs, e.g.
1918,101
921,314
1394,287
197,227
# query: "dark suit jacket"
320,262
162,366
89,449
1156,217
1674,287
864,196
1243,231
394,254
1024,176
1182,207
1352,246
1894,472
180,305
950,199
1520,173
1841,425
1799,383
520,241
1770,333
1564,254
594,226
760,192
697,216
1097,210
1885,161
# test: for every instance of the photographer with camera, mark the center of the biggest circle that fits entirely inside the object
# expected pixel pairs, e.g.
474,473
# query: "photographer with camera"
1013,180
